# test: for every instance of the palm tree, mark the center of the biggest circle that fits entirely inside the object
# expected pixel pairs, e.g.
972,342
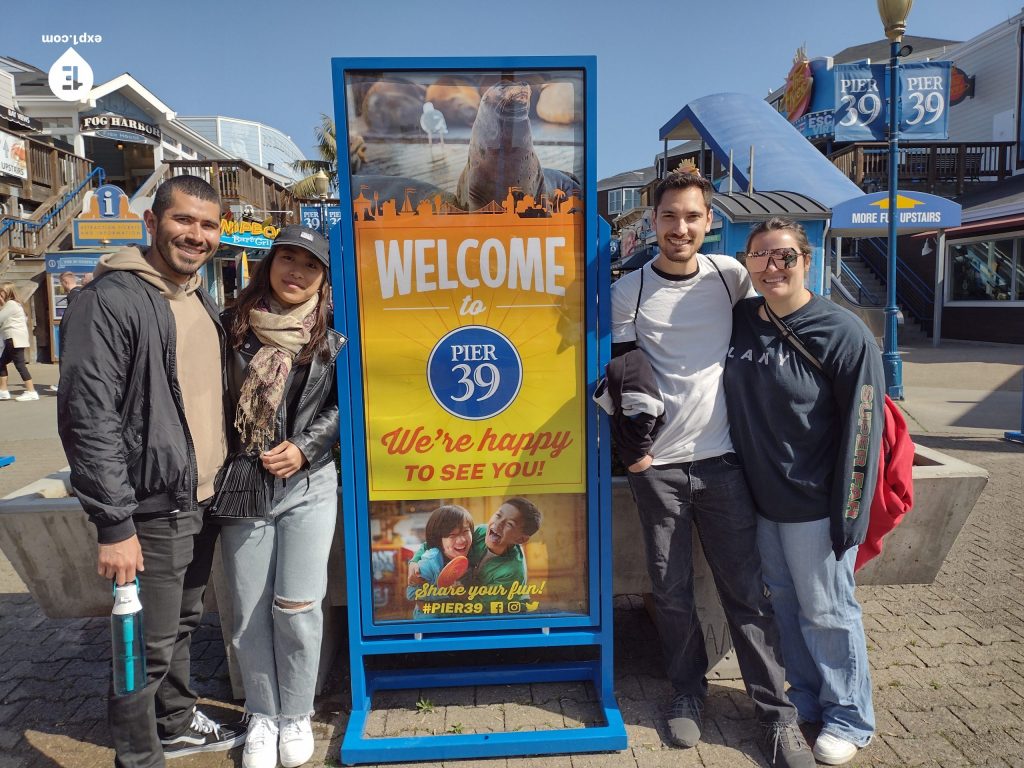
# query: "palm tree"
327,148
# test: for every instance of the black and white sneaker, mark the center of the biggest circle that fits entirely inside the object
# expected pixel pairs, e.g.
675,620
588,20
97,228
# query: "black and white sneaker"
204,735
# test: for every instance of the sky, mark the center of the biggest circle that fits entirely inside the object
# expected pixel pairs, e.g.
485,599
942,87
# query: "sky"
270,61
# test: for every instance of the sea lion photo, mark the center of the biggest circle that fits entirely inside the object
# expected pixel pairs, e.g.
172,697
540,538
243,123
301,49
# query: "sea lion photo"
393,106
558,104
501,153
455,98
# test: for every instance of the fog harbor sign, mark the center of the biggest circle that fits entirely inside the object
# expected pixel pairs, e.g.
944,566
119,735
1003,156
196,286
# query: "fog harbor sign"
119,128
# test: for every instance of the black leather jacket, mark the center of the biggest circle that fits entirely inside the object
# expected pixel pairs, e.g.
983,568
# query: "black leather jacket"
308,415
120,412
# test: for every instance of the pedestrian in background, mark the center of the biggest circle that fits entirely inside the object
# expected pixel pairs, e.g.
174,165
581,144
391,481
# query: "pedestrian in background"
808,439
69,283
283,402
14,332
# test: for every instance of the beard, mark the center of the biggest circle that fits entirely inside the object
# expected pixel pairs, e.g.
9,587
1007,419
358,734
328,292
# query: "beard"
181,262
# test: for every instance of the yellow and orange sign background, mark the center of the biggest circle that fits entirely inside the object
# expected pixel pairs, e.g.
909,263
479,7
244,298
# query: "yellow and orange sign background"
417,449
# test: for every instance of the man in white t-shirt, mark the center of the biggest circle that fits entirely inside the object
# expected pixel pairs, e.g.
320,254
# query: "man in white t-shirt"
678,311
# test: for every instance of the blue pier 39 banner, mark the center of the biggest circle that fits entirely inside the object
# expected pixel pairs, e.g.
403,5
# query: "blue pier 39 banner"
862,98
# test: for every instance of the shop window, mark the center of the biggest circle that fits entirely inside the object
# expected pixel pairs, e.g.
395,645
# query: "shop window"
986,270
622,200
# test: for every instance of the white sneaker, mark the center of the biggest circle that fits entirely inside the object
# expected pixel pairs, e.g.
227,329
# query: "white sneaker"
833,750
26,395
296,741
260,743
4,394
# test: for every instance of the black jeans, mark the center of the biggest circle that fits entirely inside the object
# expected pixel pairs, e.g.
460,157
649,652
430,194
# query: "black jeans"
178,555
16,355
713,494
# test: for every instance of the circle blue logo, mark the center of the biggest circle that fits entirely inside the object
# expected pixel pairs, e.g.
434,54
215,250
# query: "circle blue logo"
474,372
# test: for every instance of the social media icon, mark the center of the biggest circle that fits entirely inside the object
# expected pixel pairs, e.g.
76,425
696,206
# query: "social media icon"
71,77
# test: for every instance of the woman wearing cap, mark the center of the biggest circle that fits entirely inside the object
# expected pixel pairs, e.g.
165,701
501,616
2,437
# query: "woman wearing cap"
281,384
807,429
15,340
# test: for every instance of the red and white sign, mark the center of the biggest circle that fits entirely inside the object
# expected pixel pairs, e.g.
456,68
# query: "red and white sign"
13,156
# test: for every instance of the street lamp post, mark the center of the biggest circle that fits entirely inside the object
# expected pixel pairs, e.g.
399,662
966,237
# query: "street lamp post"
894,18
322,184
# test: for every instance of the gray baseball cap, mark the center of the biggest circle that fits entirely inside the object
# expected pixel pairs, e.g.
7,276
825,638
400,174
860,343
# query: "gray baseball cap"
307,239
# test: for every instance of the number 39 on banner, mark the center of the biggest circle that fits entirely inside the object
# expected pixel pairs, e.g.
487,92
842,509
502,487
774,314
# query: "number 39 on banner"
924,95
862,100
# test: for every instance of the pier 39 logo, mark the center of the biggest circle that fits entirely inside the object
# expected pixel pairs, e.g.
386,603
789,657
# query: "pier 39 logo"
474,372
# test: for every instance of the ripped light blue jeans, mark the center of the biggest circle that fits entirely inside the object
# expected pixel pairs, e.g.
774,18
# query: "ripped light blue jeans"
282,559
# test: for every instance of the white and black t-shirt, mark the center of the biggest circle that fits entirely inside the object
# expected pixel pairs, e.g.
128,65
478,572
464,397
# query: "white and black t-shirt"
683,326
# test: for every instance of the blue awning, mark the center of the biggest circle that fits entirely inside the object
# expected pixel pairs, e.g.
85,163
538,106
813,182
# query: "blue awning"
783,158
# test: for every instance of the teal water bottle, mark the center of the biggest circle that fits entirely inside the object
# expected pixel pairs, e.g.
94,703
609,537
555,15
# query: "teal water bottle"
128,650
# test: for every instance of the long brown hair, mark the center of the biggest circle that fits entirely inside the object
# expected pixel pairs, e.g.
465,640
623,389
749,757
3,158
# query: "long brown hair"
7,292
258,291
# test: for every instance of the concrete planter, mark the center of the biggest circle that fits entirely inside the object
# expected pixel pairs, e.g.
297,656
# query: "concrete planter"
52,547
945,491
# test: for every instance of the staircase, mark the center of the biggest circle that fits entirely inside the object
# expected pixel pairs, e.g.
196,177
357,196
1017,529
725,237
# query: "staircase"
20,271
872,293
47,226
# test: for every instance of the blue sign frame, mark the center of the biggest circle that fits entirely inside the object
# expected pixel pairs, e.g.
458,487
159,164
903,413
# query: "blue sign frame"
593,628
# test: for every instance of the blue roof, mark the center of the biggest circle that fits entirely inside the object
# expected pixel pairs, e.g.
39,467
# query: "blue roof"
783,159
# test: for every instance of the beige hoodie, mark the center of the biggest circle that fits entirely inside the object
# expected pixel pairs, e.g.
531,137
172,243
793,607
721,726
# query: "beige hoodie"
199,362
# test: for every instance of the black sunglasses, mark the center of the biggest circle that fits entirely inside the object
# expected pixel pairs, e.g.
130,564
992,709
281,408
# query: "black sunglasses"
757,261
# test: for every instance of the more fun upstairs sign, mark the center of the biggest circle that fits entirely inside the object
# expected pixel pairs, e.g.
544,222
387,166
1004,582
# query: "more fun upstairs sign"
868,215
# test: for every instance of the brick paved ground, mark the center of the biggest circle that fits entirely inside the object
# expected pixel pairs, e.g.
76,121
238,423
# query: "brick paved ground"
947,662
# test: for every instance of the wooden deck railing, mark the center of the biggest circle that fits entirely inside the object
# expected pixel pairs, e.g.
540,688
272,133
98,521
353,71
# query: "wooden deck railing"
945,168
58,181
238,181
51,169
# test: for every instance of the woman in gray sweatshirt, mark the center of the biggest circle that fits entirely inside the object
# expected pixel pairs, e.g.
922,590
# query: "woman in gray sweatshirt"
808,438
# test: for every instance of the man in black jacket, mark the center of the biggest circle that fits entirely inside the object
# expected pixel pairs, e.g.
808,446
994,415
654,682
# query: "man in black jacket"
141,417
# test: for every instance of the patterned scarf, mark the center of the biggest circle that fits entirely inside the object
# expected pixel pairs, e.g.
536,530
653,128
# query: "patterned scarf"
283,333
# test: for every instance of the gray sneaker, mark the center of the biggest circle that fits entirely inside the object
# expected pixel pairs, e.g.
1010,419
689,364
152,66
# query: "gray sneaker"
786,746
685,716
